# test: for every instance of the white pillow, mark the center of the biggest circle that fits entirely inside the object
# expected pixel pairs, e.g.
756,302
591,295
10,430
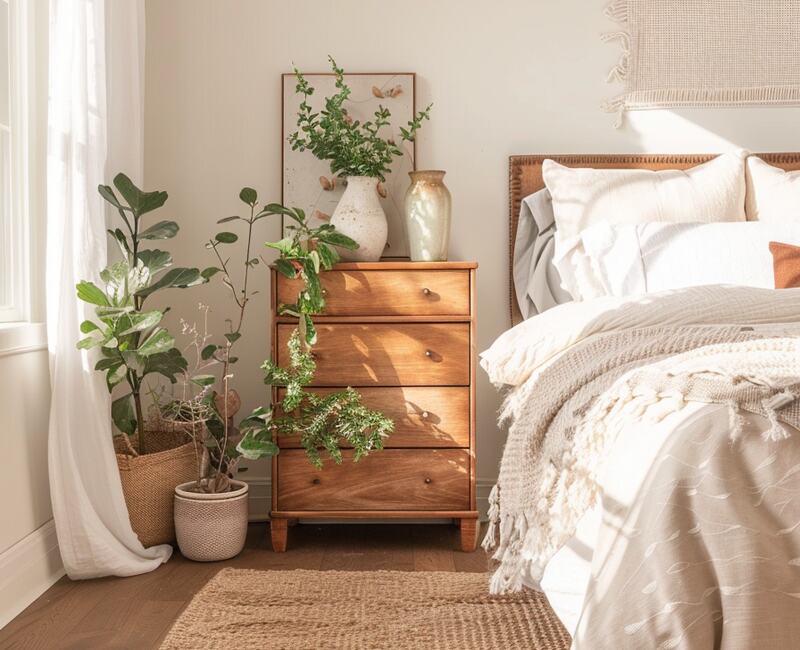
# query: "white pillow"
649,257
713,191
773,194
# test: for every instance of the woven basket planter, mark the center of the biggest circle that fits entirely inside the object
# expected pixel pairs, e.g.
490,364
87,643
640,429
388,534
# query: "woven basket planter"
148,483
211,527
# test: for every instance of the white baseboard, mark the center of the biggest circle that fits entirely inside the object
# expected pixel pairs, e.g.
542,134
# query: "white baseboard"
260,497
27,570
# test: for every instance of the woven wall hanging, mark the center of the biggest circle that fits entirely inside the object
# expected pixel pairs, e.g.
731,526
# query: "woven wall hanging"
679,53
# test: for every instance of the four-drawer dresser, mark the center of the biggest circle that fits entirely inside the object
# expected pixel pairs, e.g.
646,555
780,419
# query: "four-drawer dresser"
403,334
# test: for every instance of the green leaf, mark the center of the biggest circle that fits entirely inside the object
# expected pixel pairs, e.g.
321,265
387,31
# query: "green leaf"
88,326
233,336
208,352
161,230
167,364
89,292
178,277
159,341
122,241
255,445
108,194
203,380
123,414
140,202
108,362
276,208
155,260
285,246
327,256
226,237
248,195
227,219
285,267
210,272
338,239
311,331
115,375
141,321
315,260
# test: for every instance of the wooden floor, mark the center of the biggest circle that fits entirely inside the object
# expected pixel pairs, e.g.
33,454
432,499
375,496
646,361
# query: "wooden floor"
137,612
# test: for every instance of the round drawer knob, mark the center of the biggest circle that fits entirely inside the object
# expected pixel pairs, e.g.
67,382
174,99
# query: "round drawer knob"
426,291
428,480
425,415
316,481
428,353
324,292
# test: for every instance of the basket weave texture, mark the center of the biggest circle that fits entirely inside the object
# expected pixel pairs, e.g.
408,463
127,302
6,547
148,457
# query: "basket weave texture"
211,530
148,482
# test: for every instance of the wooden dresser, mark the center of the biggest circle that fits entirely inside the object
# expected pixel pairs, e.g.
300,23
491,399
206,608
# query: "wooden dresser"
403,334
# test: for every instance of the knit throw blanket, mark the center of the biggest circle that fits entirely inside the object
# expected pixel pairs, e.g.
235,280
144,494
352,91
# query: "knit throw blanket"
564,417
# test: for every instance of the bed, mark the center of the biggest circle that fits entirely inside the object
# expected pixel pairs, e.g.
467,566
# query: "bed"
649,485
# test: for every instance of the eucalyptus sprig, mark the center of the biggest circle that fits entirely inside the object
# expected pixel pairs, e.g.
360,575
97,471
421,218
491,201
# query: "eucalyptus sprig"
352,147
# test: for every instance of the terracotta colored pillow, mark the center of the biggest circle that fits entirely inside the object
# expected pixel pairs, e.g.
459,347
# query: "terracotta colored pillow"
786,259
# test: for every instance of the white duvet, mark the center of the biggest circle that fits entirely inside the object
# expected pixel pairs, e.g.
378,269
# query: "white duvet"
581,580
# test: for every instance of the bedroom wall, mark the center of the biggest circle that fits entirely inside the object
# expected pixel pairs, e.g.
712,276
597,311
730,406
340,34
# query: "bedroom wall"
506,78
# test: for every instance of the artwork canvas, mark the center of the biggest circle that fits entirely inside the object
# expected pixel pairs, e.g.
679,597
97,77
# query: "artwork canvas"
308,182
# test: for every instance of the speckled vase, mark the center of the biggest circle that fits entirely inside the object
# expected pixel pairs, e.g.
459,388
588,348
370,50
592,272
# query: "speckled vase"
360,216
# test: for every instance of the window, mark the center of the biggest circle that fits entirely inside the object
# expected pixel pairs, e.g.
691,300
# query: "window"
20,178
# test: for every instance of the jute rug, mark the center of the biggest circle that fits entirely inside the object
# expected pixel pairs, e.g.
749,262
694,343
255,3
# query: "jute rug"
245,609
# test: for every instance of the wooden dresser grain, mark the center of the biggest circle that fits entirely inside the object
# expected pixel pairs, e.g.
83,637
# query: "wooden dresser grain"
403,334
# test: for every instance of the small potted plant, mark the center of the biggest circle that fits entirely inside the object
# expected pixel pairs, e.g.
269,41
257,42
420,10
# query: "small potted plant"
211,510
359,152
134,345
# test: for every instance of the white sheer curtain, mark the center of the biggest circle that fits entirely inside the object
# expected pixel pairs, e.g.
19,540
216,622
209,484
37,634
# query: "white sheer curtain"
95,71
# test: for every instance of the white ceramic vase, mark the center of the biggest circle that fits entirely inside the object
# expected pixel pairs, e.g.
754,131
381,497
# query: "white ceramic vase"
427,208
360,216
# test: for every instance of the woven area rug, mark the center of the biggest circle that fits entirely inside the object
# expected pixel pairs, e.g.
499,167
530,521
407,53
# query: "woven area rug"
245,609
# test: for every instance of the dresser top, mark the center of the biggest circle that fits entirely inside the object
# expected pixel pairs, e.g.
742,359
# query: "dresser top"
404,265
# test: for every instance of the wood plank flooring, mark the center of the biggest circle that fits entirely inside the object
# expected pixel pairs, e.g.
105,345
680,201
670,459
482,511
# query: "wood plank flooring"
137,612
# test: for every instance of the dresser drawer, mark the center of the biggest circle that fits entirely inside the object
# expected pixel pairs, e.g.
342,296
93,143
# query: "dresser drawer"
388,293
423,417
392,479
387,354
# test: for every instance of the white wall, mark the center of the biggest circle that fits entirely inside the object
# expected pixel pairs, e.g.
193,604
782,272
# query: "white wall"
511,77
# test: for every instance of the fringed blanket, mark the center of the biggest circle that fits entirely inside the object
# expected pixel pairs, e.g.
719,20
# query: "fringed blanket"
565,413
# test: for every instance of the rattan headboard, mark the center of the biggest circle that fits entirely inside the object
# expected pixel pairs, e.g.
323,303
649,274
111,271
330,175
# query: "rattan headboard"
525,177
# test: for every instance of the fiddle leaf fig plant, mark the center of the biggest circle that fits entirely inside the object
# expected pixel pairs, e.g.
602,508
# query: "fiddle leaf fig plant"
133,343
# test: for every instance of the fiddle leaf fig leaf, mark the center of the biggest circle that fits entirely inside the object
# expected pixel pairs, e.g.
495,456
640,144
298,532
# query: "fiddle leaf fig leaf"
123,414
91,293
155,260
161,230
139,201
140,321
159,341
178,277
108,194
168,364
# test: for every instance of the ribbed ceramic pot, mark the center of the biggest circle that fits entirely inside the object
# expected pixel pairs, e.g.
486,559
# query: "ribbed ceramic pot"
427,210
211,527
360,216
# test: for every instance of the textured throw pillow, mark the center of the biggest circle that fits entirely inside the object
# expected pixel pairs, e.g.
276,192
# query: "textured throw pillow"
650,257
786,259
773,194
711,192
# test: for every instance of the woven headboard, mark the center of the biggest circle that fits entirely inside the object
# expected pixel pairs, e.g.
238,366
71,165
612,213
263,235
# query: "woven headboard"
525,177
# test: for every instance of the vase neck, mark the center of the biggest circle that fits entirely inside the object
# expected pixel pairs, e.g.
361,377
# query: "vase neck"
362,181
427,176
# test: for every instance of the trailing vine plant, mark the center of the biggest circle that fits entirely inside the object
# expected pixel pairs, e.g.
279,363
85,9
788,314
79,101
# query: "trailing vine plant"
322,422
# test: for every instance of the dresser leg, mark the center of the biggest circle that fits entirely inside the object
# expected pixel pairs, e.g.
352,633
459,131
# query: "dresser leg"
469,534
279,530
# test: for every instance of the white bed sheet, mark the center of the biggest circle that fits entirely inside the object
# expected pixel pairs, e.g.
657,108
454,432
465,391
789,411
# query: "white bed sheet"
567,576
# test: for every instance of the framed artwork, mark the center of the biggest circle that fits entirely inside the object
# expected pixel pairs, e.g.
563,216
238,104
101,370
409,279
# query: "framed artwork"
308,182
